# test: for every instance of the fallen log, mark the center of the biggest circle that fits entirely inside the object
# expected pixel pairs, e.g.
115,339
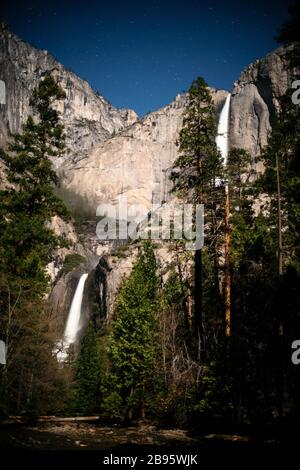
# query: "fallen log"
48,419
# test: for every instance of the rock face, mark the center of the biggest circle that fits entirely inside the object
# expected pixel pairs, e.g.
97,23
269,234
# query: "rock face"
110,273
255,100
88,118
136,162
67,230
65,283
112,152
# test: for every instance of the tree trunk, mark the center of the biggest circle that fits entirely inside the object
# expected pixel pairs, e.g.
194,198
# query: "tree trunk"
227,265
279,223
280,380
183,293
198,273
198,294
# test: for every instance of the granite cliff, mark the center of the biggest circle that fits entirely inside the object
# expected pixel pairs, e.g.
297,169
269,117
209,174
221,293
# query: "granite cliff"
255,100
135,162
111,151
88,118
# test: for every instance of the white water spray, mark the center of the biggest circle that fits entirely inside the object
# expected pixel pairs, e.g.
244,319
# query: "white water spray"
73,322
222,144
223,130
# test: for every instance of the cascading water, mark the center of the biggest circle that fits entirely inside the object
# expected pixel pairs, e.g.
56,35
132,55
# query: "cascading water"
222,144
223,127
72,325
73,322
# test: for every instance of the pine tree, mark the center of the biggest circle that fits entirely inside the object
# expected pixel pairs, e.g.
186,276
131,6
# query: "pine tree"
240,174
197,176
87,374
280,180
266,262
26,245
132,348
29,201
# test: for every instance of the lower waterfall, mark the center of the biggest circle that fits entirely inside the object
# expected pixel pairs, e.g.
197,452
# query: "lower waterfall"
73,322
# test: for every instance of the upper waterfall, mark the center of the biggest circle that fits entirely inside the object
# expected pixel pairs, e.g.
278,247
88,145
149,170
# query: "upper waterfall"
223,130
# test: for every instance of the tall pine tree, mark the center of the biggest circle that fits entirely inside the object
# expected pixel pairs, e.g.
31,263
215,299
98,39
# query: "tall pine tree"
197,176
26,246
132,348
87,374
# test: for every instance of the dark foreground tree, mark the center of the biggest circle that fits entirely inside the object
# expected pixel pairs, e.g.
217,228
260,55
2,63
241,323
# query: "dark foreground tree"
26,246
132,347
87,374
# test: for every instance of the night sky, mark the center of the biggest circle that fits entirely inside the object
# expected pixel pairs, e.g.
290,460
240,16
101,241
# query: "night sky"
140,54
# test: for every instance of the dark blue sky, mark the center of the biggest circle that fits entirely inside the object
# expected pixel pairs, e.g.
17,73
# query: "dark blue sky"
140,54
